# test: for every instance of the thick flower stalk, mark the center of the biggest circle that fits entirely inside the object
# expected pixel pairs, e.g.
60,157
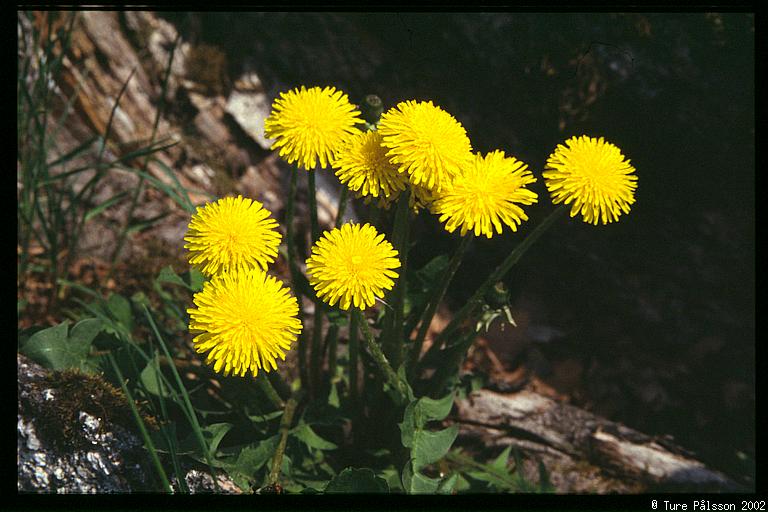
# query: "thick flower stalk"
362,165
352,265
310,125
245,320
486,195
425,142
232,233
593,175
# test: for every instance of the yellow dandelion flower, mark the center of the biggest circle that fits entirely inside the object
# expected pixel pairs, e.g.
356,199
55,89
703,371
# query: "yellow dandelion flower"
231,233
487,194
425,142
352,265
309,125
362,165
246,319
594,175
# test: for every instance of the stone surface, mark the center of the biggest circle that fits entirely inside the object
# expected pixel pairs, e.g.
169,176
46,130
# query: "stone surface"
202,482
108,458
249,106
101,457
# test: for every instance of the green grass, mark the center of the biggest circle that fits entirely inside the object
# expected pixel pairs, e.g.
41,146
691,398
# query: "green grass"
51,214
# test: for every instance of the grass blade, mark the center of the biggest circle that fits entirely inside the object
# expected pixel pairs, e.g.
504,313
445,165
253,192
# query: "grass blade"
188,206
165,188
146,224
150,446
72,154
170,440
104,166
140,188
185,396
95,211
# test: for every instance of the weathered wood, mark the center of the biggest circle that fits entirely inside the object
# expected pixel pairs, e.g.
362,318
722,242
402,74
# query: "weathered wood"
566,437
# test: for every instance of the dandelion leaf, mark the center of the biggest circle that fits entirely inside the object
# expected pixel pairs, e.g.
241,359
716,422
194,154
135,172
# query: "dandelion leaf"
357,480
55,349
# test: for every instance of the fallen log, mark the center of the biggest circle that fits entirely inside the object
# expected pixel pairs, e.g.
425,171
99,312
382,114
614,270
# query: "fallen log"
581,451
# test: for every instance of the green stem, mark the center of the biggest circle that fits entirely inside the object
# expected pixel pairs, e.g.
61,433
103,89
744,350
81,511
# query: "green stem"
354,348
54,256
399,390
279,385
312,193
495,277
374,215
290,209
392,337
342,206
285,426
268,390
142,428
332,341
316,350
441,286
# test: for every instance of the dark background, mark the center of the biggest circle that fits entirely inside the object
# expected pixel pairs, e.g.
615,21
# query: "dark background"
655,315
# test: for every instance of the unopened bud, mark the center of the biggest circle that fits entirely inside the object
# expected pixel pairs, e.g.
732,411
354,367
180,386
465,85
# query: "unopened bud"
498,296
372,108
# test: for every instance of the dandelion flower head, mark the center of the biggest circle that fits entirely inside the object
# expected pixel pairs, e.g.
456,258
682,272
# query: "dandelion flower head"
352,265
362,165
487,194
593,175
425,142
245,320
309,125
230,233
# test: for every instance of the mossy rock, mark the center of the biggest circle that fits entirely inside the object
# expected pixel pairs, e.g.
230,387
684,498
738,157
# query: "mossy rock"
56,400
